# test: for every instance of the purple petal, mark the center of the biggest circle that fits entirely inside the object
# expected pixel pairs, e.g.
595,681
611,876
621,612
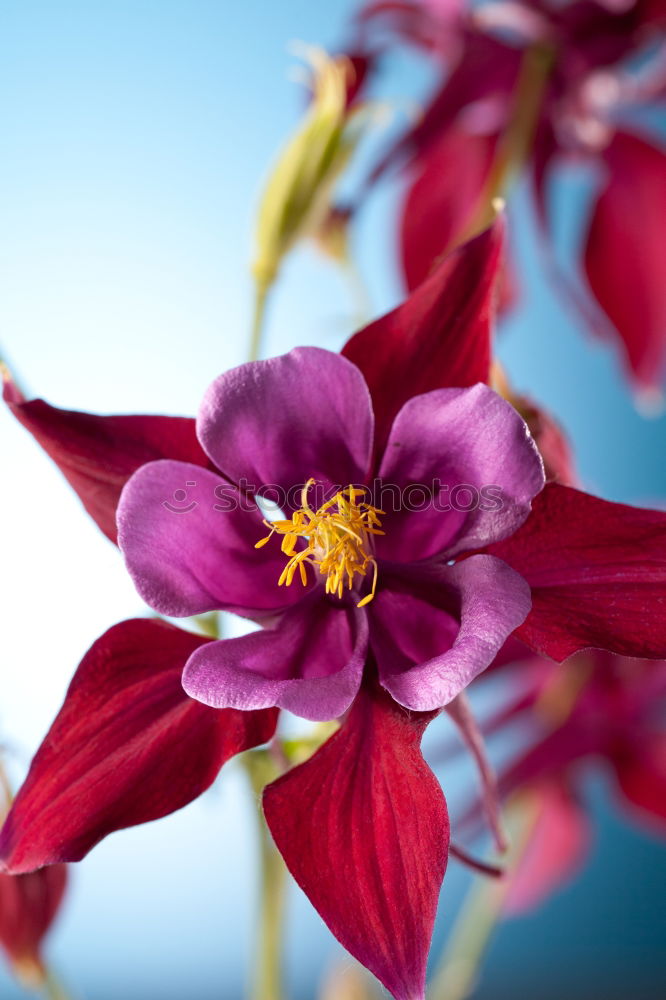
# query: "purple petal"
185,556
310,663
283,421
446,440
432,635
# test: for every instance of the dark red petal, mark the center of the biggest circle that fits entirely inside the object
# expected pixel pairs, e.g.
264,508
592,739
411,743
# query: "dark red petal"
558,844
363,828
642,779
28,907
442,200
127,746
625,250
97,455
439,338
597,572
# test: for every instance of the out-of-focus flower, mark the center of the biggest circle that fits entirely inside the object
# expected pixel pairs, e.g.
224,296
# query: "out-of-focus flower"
530,86
596,711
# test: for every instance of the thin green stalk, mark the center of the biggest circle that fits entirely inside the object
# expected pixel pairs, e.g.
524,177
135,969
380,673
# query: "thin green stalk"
460,965
516,141
261,290
261,768
53,989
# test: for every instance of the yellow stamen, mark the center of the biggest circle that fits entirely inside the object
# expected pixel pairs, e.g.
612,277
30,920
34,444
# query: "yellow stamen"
339,540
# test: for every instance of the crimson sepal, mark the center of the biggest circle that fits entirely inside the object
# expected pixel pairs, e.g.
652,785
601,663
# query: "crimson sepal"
127,746
439,337
625,250
597,572
28,906
363,828
98,454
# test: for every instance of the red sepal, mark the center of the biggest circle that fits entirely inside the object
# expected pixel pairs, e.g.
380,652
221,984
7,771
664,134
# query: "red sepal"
438,338
97,454
598,575
364,830
127,746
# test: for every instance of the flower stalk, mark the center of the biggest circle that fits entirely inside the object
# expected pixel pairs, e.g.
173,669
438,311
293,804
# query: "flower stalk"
261,768
516,142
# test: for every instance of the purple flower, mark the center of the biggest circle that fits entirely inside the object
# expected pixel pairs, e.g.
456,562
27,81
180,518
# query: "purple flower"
350,581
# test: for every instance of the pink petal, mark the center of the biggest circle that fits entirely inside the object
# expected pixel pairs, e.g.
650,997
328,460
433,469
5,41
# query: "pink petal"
310,662
364,830
457,443
196,554
434,630
282,421
128,746
597,572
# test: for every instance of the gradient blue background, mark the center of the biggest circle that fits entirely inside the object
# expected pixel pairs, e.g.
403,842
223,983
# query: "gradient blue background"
135,136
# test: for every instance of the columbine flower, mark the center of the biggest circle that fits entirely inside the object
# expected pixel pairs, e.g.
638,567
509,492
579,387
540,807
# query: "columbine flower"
363,824
349,576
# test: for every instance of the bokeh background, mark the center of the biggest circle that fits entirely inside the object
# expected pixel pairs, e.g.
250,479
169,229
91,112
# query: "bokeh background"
135,135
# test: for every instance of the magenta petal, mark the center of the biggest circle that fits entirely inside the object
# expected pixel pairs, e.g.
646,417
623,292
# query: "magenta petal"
282,421
364,830
447,439
186,557
432,639
310,663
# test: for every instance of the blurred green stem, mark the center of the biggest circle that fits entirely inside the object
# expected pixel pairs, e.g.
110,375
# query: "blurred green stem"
517,139
261,768
261,290
460,965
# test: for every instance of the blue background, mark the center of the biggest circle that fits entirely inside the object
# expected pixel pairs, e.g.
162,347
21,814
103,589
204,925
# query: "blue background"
135,136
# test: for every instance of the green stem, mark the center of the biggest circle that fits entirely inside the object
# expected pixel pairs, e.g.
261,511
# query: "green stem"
459,967
516,141
53,989
261,768
261,291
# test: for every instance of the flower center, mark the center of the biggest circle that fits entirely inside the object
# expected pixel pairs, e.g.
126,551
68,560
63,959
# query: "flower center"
339,540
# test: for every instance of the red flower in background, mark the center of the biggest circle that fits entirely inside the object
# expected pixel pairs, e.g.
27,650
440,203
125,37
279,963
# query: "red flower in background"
597,711
362,825
28,906
569,71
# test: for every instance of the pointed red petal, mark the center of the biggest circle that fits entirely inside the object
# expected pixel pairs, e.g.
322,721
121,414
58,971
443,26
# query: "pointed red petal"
97,455
597,572
28,907
364,830
127,746
439,338
625,250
